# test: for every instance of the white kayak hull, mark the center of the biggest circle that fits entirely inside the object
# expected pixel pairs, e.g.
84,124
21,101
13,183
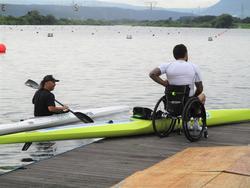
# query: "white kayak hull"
58,119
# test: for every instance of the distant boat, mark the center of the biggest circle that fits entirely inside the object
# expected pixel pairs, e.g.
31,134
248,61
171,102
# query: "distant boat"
210,38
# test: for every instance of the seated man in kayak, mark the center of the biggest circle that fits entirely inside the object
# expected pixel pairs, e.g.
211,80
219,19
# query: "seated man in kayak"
44,100
180,72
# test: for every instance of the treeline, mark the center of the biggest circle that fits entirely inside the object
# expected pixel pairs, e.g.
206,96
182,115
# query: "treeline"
35,18
222,21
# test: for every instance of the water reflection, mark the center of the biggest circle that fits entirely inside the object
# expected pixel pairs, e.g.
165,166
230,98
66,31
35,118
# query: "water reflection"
44,150
12,156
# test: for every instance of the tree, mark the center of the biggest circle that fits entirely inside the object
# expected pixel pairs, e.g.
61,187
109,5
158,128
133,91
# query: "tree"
50,20
223,21
202,19
246,20
33,18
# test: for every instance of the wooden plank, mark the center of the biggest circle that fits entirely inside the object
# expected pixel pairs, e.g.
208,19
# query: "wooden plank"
193,167
227,180
241,166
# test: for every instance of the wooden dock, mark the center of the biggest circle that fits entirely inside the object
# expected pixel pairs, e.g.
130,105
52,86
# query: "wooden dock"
109,161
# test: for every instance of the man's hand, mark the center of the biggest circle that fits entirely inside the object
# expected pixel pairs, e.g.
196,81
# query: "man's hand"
166,83
65,108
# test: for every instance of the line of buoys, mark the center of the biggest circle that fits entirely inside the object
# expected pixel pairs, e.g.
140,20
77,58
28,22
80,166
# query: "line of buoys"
2,48
211,38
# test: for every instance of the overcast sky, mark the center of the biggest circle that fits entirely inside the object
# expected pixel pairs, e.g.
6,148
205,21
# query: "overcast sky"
170,3
157,3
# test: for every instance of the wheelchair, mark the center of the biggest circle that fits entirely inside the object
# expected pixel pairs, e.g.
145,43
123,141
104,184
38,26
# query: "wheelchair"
177,107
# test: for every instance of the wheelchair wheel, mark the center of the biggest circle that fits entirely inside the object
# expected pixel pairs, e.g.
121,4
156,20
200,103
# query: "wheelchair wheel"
163,125
194,120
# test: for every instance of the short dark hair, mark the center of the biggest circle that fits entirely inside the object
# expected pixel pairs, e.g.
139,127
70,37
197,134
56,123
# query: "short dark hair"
179,51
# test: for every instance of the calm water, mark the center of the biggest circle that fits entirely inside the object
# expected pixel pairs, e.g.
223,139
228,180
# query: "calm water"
99,67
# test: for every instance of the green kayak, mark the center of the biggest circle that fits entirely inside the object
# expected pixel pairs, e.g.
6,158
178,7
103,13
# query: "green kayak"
128,128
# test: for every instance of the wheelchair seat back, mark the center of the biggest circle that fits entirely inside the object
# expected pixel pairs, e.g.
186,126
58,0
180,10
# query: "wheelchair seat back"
176,96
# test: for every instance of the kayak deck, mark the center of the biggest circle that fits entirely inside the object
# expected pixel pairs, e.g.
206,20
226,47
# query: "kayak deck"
58,119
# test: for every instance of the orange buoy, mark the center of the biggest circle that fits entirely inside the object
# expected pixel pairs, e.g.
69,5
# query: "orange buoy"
2,48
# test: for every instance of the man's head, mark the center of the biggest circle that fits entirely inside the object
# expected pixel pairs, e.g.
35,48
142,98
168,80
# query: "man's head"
49,82
180,52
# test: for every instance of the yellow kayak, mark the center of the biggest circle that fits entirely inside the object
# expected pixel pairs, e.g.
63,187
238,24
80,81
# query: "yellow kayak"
128,128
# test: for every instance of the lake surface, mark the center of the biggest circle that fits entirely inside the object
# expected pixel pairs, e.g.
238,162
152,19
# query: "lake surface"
98,66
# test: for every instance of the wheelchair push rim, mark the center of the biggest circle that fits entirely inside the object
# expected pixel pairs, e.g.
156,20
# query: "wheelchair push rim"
194,119
163,125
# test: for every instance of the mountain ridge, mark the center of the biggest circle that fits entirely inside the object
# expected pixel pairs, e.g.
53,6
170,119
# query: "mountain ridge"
237,8
106,13
115,11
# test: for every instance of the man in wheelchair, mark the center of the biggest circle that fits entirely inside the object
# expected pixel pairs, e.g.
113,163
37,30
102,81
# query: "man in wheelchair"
182,79
180,72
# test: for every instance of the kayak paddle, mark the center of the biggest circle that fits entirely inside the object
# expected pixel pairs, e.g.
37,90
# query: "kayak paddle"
83,117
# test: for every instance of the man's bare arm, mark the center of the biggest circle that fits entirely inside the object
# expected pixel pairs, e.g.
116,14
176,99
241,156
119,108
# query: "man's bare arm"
56,109
155,75
199,88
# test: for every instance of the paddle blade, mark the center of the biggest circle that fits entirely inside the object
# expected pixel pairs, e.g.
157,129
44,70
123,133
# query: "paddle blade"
32,84
83,117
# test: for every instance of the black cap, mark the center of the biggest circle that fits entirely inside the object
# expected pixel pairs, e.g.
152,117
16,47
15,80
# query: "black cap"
49,78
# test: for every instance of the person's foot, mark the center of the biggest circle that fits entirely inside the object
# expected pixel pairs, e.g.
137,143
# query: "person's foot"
196,125
190,127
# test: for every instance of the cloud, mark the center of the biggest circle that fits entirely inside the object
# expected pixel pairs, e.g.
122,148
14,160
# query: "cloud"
168,3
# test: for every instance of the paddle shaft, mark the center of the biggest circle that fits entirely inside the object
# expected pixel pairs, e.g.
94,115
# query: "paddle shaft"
83,117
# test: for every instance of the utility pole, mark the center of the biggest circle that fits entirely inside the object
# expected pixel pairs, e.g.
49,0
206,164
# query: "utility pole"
152,4
3,7
76,7
242,11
